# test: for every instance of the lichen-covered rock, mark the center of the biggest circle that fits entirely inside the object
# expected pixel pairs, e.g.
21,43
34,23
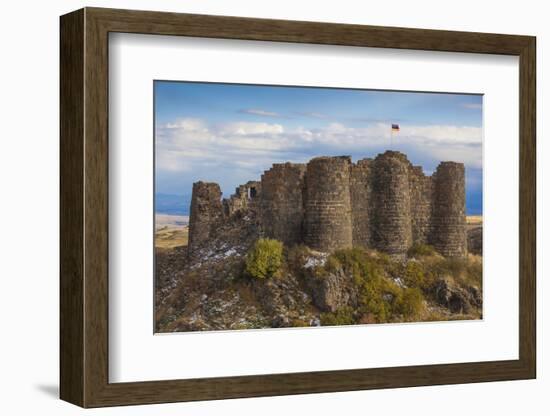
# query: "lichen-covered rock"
333,291
457,299
476,296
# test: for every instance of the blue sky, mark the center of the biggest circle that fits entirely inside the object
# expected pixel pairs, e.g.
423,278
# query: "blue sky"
231,133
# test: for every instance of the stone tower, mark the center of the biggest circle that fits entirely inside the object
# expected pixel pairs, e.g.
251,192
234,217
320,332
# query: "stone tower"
282,206
391,219
448,234
206,213
327,222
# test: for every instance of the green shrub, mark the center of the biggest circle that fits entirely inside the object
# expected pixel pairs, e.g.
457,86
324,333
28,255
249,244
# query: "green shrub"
419,274
419,250
463,270
380,298
343,316
414,274
377,293
264,259
375,302
410,304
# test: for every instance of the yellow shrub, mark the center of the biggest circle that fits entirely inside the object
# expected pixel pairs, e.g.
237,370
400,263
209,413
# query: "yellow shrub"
410,304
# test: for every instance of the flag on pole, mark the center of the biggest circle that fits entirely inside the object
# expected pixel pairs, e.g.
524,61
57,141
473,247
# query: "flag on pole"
394,129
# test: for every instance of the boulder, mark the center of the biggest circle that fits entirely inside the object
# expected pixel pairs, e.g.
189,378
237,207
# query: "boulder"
455,298
333,291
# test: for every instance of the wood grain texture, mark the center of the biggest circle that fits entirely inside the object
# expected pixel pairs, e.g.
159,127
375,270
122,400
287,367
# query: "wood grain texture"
84,207
71,208
527,208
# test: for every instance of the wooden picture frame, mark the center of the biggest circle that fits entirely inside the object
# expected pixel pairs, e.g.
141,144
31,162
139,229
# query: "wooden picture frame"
84,207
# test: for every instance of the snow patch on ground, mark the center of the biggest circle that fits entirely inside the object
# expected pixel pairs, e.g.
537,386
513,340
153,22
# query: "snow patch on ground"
230,252
399,282
317,260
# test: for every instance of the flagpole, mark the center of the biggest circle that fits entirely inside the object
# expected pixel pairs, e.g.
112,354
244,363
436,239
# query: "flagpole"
394,127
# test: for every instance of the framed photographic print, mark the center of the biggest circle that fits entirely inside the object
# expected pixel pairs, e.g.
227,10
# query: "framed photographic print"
255,207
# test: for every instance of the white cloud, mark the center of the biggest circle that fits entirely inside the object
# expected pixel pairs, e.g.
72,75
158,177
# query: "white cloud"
239,151
244,128
472,106
313,114
451,135
259,112
187,124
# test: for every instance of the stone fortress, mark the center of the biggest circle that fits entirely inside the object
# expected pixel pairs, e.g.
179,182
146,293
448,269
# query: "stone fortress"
330,203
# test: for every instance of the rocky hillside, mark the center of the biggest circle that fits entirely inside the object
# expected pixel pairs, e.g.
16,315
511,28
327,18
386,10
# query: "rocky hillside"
242,281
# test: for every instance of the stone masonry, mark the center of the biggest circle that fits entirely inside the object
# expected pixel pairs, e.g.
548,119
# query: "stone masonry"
282,203
206,213
330,203
327,204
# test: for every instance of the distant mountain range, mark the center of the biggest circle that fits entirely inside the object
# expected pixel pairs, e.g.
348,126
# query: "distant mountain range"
172,204
180,204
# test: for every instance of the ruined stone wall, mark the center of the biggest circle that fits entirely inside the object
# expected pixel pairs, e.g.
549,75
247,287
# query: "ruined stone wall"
361,197
448,234
245,197
327,221
421,191
281,206
206,213
330,203
391,226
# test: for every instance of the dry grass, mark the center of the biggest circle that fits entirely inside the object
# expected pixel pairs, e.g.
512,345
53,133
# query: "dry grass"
474,220
171,231
169,237
172,221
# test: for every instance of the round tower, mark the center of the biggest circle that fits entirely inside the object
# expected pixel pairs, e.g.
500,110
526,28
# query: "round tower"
392,231
281,207
328,222
206,213
449,210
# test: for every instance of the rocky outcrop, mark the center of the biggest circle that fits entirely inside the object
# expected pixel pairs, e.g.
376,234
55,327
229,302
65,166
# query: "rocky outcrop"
459,300
475,241
333,291
284,301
